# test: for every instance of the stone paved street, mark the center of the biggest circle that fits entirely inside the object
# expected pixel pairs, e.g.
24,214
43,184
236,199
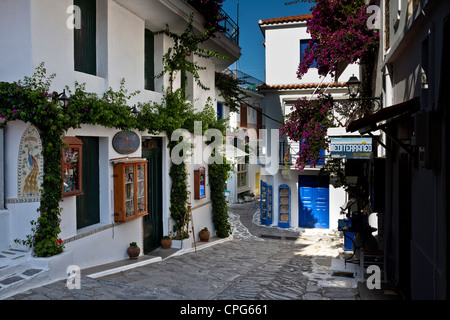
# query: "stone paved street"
258,263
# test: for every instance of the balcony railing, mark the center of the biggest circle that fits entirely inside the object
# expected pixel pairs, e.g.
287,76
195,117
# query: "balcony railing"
229,27
288,153
224,24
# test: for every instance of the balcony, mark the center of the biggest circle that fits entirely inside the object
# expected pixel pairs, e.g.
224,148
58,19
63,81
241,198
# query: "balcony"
290,152
287,152
211,12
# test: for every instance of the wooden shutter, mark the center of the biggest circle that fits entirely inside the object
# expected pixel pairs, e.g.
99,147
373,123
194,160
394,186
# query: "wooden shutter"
259,121
243,112
149,60
85,39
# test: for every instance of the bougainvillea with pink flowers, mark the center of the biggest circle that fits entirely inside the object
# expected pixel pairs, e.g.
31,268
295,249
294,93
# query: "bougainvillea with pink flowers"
210,10
339,35
307,124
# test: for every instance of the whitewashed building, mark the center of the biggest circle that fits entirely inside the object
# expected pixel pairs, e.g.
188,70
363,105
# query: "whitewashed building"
296,199
243,125
33,32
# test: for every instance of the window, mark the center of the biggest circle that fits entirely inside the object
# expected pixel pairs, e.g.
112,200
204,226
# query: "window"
149,60
219,110
85,51
71,165
242,175
303,45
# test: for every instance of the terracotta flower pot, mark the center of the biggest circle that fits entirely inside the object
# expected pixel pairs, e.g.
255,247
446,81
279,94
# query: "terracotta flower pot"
204,235
133,252
166,243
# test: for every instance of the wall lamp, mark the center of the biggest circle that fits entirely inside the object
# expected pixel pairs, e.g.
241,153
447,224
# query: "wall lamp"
354,85
61,97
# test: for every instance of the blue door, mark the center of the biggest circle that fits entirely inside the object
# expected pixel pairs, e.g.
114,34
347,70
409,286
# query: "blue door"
313,202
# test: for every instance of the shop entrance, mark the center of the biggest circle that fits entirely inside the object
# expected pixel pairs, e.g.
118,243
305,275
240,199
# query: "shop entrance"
152,223
313,202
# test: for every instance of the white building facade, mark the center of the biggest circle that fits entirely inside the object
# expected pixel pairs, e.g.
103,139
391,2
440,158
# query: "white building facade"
33,32
309,200
243,138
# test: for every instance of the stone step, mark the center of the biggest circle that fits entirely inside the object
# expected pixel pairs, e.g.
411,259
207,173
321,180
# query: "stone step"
27,272
22,279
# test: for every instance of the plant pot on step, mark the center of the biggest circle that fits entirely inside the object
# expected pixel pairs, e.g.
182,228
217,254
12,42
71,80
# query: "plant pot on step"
204,235
133,251
166,242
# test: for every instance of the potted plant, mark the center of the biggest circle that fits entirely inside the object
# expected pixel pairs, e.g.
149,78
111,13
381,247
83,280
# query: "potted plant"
241,198
204,235
133,250
166,242
249,196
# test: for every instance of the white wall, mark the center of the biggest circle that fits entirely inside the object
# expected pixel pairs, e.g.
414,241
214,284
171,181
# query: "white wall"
15,34
35,31
20,214
283,57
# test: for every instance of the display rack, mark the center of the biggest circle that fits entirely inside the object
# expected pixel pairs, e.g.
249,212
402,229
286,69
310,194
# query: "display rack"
130,191
284,206
266,203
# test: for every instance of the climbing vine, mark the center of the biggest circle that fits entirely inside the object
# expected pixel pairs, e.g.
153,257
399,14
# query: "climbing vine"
186,46
230,89
30,100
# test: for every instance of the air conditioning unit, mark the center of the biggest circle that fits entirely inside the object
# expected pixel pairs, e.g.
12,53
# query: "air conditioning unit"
428,139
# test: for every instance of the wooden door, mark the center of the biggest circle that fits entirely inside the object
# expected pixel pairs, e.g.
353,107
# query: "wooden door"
153,231
88,204
313,202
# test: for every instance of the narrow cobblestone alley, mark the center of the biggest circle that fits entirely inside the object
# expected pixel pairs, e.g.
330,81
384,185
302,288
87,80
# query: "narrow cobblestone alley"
257,263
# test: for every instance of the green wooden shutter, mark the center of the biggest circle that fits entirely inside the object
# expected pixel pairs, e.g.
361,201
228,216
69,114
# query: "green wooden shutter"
85,39
149,60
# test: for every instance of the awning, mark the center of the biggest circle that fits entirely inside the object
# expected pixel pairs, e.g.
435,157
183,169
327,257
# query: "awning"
370,123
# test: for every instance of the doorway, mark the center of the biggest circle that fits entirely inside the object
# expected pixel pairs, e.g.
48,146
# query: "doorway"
88,203
152,223
313,202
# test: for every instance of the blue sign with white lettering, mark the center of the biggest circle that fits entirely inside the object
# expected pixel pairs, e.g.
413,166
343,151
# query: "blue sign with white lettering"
351,148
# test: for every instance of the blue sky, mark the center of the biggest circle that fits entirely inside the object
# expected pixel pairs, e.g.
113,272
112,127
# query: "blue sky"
251,39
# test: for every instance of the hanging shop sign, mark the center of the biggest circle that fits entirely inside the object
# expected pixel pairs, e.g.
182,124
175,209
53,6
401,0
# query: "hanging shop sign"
351,148
126,142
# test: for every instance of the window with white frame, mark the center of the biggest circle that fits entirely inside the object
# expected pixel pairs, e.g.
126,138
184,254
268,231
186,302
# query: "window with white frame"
242,175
